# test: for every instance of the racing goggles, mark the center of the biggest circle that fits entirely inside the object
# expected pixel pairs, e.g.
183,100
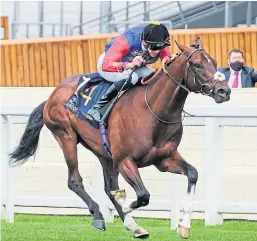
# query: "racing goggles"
157,45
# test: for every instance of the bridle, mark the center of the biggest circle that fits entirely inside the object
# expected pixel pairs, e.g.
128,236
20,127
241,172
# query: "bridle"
195,76
196,79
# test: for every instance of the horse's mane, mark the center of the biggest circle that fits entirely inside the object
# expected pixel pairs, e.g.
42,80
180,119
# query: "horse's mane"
196,46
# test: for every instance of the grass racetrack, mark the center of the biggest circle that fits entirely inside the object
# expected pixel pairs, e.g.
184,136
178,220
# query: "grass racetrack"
78,228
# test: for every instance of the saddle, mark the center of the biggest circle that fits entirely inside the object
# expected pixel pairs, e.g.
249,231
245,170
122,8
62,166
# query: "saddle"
91,87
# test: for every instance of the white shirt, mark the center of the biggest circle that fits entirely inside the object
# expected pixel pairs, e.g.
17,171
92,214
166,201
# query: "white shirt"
232,78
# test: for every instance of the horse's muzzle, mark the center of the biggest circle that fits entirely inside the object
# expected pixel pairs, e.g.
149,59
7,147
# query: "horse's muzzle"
222,94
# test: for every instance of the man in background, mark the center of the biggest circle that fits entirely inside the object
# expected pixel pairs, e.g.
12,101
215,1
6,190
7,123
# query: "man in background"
238,75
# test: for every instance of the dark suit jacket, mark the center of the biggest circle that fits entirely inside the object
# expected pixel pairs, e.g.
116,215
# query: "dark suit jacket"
248,76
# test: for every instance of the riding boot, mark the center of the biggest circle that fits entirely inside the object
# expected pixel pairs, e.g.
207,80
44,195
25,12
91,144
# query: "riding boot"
106,98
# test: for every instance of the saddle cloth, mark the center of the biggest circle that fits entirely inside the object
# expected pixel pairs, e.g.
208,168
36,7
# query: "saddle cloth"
91,87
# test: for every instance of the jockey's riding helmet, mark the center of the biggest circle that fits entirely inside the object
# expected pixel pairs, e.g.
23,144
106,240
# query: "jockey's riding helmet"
156,35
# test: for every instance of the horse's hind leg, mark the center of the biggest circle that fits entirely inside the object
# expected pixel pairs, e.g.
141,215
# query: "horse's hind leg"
118,198
176,164
68,143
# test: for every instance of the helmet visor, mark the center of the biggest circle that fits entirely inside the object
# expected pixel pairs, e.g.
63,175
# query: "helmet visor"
158,45
154,48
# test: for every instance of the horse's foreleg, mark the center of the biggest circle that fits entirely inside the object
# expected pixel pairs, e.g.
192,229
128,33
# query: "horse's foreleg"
118,198
129,171
68,143
176,164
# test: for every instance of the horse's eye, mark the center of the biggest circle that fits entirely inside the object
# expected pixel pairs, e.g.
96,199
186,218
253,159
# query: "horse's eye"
198,66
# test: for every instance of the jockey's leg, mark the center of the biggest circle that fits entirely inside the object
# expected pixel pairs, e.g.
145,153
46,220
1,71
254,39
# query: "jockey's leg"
144,71
106,98
119,80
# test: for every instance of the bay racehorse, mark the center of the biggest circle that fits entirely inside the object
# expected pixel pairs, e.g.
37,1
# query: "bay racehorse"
144,128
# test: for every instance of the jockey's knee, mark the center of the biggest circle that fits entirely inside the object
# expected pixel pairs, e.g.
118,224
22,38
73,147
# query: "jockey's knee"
130,82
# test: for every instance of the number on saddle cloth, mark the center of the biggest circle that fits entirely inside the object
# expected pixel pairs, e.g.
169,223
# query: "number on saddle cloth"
88,80
91,87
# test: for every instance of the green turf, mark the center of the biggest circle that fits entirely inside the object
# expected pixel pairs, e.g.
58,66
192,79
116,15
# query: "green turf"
77,228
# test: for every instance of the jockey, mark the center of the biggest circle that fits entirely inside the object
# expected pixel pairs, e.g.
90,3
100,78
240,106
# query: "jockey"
124,53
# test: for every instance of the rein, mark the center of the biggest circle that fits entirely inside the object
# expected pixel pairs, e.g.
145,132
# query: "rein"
156,117
149,81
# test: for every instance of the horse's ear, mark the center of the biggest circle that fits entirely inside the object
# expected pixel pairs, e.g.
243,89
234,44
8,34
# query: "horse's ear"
198,42
183,48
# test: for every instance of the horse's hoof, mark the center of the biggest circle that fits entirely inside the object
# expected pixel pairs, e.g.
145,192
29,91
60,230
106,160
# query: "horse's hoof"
141,234
183,231
99,225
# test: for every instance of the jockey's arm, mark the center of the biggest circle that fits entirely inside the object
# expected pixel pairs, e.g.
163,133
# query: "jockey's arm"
112,60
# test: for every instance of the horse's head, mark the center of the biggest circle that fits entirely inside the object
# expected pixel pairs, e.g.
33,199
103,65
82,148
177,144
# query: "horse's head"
201,73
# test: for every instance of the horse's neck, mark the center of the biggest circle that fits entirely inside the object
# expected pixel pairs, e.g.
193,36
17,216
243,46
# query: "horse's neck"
167,98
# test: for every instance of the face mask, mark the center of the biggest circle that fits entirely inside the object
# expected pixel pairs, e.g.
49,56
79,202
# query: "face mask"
236,66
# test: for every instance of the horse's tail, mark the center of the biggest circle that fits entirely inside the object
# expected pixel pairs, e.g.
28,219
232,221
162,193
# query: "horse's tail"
29,141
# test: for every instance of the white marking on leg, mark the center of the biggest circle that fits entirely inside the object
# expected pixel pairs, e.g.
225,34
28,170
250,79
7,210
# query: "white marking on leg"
126,208
120,197
130,224
188,208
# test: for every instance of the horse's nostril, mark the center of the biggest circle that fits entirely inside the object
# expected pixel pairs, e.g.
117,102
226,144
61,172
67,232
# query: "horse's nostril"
222,92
